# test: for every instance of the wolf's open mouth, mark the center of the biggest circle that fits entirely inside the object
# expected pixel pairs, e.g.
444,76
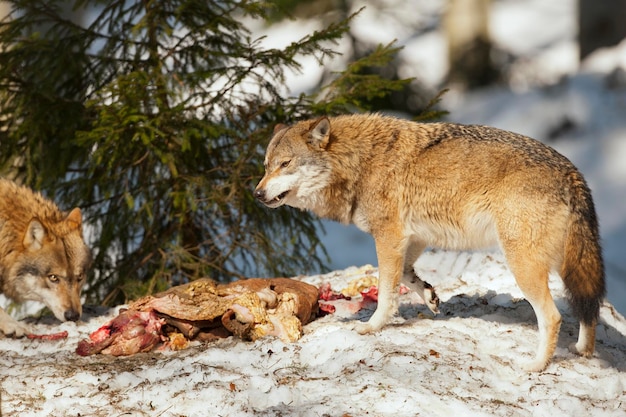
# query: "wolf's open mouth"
279,197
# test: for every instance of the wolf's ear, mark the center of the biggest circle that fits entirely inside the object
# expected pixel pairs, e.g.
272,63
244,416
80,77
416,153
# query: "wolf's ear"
319,134
279,127
74,219
33,240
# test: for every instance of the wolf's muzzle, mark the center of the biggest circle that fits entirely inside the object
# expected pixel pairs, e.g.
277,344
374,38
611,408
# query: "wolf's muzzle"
259,194
71,315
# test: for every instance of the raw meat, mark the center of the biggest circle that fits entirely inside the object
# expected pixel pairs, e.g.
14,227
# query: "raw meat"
204,310
130,332
51,336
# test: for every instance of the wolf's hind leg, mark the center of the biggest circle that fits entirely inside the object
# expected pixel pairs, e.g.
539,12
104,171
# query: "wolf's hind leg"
586,340
411,280
533,281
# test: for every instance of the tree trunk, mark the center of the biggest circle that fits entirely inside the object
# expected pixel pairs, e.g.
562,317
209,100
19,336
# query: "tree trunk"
466,23
601,23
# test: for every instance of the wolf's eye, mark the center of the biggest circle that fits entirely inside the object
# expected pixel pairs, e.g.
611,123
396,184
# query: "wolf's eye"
53,278
285,164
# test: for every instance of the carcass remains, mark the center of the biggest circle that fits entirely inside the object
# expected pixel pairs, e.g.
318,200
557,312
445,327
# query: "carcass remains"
204,310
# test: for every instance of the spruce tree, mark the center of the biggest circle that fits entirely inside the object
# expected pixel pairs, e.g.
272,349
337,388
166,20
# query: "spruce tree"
153,117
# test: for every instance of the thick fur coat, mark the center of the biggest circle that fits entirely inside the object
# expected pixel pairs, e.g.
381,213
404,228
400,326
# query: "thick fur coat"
43,256
417,185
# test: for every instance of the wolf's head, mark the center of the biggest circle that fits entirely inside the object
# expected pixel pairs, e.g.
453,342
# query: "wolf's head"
51,266
296,165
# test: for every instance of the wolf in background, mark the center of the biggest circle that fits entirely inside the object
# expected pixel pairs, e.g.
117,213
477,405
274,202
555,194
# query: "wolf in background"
43,256
417,185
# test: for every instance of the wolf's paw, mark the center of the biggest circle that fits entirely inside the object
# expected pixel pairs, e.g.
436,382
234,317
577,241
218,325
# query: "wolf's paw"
15,329
430,298
580,350
364,328
536,365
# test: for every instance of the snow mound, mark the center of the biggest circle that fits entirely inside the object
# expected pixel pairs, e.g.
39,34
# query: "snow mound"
466,361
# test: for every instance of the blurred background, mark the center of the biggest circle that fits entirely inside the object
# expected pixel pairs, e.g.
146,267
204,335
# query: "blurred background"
153,116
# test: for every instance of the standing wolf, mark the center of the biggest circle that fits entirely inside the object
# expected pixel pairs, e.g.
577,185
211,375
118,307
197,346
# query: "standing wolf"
42,255
451,186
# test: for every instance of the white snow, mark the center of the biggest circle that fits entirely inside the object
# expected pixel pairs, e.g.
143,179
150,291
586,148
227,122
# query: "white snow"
465,361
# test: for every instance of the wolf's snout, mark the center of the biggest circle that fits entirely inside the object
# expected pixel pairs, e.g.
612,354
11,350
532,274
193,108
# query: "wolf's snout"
271,202
71,315
259,194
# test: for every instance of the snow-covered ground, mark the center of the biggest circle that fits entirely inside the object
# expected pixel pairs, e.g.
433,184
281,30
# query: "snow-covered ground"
466,361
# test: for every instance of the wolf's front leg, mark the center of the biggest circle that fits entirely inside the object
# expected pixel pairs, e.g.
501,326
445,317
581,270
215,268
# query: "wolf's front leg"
11,327
390,253
410,278
423,289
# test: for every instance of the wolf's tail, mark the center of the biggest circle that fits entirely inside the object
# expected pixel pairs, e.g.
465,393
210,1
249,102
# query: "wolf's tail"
583,269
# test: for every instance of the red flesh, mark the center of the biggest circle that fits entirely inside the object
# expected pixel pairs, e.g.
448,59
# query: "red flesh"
51,336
